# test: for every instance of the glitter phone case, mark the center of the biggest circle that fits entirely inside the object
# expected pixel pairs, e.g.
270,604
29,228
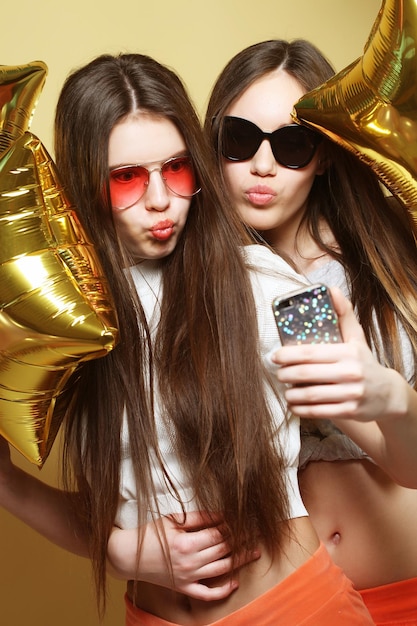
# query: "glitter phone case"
307,316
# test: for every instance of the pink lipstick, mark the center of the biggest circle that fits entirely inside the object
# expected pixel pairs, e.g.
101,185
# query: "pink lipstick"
163,230
260,195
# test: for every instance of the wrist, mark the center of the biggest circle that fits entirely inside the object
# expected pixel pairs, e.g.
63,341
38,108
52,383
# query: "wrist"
398,401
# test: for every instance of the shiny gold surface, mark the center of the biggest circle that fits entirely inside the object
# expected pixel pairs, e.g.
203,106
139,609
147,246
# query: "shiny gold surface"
370,107
55,305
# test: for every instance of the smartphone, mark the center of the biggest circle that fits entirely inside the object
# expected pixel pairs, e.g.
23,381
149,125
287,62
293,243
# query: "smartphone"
307,316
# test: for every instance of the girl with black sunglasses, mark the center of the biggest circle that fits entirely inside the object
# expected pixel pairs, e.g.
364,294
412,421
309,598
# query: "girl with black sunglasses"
317,204
180,430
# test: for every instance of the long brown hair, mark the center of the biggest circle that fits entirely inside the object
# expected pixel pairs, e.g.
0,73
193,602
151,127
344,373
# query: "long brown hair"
376,235
206,350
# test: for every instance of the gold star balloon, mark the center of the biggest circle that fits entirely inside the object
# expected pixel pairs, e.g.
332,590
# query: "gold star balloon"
370,107
55,305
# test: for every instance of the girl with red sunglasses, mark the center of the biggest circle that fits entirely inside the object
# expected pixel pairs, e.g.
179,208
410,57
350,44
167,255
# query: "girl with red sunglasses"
309,199
180,430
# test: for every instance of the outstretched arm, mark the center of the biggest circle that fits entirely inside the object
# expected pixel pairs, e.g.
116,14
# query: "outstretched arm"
199,554
344,382
48,510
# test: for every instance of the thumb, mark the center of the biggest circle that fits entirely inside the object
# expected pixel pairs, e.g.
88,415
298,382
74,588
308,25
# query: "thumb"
349,325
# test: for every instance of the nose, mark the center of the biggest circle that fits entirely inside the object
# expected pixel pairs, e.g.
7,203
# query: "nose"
157,195
263,162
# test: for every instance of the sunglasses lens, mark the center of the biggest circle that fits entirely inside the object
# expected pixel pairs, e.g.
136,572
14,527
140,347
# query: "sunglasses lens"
240,139
294,146
179,176
127,185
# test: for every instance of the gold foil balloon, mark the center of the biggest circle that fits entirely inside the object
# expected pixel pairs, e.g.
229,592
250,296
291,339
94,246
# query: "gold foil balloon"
55,305
370,107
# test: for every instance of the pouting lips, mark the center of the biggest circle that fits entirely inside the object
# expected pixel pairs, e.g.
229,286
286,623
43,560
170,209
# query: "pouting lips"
163,230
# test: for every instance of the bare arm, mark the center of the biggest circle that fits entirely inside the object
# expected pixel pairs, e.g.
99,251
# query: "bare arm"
47,510
199,556
372,404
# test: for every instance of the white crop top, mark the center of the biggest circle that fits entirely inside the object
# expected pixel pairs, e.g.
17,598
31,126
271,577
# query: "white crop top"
270,277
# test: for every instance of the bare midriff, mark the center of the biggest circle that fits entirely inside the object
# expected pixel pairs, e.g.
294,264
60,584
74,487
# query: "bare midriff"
367,522
254,579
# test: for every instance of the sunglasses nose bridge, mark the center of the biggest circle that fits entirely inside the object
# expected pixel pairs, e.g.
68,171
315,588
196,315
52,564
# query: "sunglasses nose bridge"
157,195
261,140
274,145
263,161
154,170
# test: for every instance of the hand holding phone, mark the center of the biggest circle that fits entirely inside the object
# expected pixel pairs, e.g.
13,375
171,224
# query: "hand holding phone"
307,316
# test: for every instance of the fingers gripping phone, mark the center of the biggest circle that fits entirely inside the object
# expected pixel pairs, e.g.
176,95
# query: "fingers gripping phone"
306,316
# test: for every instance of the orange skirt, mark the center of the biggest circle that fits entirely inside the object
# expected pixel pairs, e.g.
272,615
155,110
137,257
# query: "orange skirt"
316,594
394,604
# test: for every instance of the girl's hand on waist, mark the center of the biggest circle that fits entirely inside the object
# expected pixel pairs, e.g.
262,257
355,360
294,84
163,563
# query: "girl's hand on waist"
200,558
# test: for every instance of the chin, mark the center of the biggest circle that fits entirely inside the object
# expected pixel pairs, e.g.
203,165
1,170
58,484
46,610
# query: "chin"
261,226
162,250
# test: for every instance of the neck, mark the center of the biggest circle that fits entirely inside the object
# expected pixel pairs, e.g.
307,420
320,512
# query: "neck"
301,248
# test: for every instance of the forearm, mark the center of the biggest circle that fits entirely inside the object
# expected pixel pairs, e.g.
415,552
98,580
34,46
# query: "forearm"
49,511
399,436
391,441
122,549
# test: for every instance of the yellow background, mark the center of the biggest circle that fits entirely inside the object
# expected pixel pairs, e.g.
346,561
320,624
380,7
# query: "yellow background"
40,584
